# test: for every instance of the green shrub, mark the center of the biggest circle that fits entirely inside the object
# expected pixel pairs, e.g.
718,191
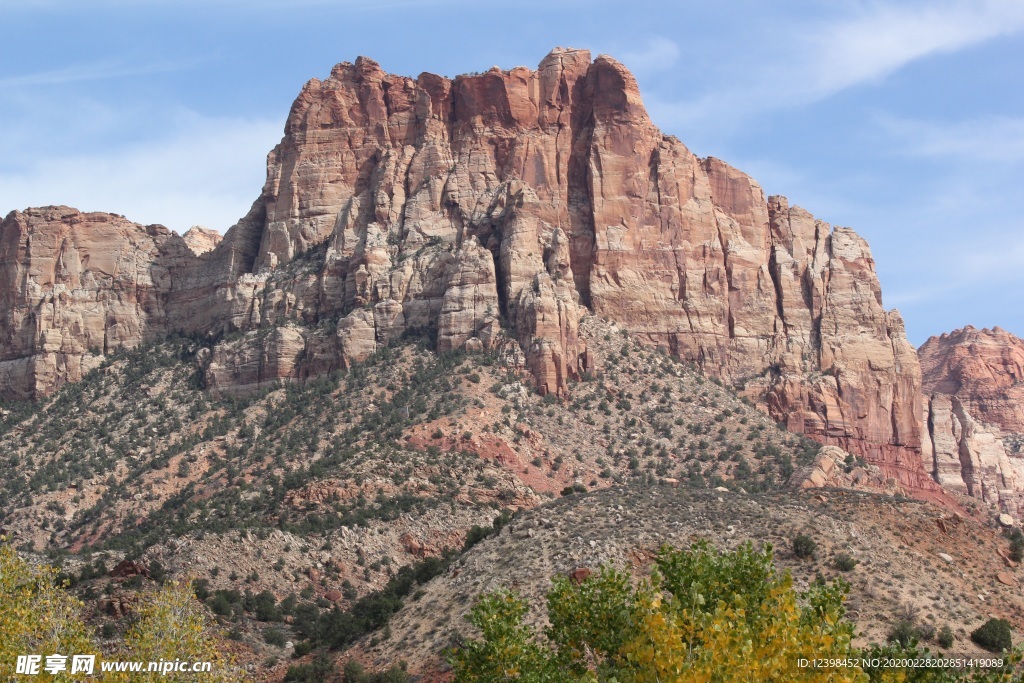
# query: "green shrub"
903,633
1016,544
994,635
265,607
476,534
575,488
804,546
201,587
945,637
844,562
320,670
355,673
272,636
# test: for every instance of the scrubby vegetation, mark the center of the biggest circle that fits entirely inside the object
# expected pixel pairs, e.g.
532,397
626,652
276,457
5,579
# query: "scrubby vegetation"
994,635
38,616
140,459
703,614
804,546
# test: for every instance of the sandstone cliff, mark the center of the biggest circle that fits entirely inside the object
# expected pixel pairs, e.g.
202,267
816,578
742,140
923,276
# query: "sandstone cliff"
974,413
74,287
498,209
969,458
984,369
201,240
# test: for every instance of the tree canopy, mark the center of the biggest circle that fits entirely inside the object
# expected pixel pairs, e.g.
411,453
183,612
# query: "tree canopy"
39,617
703,615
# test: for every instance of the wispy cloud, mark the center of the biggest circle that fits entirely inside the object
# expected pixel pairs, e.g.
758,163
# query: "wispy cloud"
881,38
658,54
813,60
93,71
997,139
206,172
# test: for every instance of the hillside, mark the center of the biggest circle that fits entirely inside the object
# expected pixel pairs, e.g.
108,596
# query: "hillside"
499,209
907,568
326,488
477,332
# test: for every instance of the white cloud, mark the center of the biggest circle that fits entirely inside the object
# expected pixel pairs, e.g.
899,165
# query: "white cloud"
810,61
206,172
90,72
657,54
997,139
881,38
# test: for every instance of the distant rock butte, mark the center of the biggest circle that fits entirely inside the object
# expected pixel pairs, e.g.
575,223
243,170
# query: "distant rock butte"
984,369
974,399
510,200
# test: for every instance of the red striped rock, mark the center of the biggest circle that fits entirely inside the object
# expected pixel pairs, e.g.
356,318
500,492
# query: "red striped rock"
529,197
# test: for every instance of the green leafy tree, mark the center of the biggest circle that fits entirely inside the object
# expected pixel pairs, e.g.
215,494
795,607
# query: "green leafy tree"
703,615
37,616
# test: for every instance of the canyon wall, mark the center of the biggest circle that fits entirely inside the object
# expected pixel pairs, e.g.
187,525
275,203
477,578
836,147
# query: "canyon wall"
983,368
495,209
974,413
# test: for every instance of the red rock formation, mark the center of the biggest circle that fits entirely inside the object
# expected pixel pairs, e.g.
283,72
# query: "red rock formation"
534,197
74,286
974,383
984,369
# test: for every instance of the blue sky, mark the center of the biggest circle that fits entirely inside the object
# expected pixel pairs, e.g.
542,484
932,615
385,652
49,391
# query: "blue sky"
903,120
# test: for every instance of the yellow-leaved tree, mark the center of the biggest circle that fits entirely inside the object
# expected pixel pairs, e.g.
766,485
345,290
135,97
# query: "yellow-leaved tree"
702,616
172,627
37,616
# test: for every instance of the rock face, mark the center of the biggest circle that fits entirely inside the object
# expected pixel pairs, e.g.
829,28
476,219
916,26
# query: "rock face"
201,240
984,369
498,209
969,458
830,469
974,412
73,287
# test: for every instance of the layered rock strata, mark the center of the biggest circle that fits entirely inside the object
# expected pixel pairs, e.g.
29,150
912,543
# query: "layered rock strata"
74,287
974,413
983,368
970,458
493,207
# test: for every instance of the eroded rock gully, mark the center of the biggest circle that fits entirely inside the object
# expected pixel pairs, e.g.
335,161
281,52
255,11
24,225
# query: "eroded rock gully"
498,208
